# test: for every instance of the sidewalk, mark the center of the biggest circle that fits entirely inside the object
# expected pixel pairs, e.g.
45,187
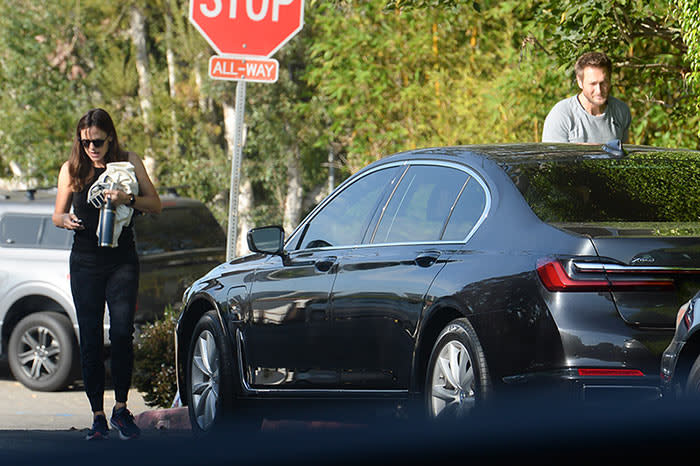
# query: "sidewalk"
24,409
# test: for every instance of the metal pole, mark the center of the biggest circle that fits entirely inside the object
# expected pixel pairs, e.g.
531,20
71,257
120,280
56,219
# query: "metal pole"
235,172
331,170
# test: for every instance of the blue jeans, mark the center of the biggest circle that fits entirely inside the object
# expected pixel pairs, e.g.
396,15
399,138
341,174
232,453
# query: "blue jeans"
96,279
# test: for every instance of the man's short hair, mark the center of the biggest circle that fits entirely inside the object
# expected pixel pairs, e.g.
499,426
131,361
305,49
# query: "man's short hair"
595,59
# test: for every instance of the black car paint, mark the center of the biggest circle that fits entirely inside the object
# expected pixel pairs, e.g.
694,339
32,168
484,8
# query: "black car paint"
528,333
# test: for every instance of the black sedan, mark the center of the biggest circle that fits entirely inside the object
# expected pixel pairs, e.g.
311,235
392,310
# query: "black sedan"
443,277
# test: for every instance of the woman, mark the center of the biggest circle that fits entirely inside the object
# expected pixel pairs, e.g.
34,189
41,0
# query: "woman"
102,274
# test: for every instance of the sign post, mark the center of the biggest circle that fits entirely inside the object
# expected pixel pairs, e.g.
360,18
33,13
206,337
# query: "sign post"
245,34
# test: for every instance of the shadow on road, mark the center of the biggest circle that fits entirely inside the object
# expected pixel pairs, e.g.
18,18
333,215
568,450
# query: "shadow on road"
521,432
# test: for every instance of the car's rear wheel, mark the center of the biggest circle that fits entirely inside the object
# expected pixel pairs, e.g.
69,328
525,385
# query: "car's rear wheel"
457,378
43,353
692,385
209,376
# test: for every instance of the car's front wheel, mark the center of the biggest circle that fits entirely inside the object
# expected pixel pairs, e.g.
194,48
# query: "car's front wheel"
209,376
457,377
43,353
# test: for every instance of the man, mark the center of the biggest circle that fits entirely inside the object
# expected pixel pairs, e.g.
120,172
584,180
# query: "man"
592,116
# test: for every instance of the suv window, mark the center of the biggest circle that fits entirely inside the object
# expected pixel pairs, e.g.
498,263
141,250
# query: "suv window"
644,187
32,231
177,229
343,221
427,197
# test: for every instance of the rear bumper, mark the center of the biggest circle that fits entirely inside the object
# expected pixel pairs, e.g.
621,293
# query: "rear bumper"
570,384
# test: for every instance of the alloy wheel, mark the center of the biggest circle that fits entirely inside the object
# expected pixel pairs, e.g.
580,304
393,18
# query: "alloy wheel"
39,352
205,379
452,388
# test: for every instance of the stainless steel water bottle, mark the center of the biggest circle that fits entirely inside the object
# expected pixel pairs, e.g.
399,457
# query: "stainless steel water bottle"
105,232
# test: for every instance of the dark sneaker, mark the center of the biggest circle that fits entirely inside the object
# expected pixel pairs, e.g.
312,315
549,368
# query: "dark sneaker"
123,421
99,430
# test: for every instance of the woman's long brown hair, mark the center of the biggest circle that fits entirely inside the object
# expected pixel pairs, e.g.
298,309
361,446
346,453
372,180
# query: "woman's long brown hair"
79,164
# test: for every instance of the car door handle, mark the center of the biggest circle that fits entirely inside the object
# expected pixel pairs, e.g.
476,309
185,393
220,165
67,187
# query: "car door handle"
427,258
325,264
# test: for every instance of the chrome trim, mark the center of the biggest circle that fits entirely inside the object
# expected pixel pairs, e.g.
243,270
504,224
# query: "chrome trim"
473,175
296,391
617,268
386,204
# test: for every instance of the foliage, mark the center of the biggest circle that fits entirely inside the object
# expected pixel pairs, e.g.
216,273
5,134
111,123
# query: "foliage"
689,17
37,45
154,361
643,187
652,57
396,80
361,80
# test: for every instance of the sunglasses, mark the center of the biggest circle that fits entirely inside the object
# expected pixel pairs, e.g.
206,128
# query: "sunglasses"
96,142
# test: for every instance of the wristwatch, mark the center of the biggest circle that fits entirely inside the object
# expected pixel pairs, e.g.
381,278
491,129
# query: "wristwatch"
132,200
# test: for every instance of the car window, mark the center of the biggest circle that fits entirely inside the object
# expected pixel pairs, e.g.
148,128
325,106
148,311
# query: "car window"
421,205
343,220
35,231
177,229
467,212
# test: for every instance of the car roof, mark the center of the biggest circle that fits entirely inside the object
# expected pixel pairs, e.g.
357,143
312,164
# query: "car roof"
42,200
516,153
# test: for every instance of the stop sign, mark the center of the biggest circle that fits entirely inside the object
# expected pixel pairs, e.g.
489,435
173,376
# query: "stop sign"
247,27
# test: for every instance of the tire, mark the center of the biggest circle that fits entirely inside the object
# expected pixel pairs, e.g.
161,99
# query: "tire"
457,379
209,376
692,385
43,352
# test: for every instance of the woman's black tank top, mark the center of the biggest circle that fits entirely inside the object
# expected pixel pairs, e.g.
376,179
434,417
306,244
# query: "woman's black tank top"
85,241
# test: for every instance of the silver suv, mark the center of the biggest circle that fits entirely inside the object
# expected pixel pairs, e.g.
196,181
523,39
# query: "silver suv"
38,326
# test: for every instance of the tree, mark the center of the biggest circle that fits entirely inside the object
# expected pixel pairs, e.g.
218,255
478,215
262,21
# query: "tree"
689,17
653,57
400,79
38,45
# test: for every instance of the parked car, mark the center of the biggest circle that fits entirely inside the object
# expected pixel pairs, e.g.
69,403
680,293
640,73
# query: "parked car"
680,364
447,276
38,326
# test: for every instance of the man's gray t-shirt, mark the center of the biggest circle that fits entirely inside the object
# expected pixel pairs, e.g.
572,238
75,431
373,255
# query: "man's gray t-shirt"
568,121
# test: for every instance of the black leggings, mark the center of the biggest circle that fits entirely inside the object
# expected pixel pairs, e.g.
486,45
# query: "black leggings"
94,282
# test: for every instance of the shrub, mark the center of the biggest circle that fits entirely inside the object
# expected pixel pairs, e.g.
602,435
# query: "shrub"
154,361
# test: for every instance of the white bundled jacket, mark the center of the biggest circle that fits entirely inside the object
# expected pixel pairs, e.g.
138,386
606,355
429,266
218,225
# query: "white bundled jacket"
117,175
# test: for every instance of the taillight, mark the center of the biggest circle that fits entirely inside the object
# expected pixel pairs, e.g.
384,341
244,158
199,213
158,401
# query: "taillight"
555,278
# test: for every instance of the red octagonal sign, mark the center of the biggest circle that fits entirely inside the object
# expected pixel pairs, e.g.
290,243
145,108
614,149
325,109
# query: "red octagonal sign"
247,27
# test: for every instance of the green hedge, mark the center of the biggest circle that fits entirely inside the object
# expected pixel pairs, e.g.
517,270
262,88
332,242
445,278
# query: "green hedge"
154,361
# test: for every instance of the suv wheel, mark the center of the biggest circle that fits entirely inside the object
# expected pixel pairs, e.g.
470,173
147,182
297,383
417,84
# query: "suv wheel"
457,377
43,353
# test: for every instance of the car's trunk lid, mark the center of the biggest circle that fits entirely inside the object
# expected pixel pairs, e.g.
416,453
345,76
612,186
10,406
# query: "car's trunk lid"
653,268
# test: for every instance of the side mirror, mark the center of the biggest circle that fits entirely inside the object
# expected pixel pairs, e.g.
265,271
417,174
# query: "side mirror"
267,240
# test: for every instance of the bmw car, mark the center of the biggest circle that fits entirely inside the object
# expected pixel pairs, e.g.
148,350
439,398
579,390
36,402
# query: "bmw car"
445,278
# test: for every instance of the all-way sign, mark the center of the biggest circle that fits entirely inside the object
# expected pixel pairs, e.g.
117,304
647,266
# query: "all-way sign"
253,69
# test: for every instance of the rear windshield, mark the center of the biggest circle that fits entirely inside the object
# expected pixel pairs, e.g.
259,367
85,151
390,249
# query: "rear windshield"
178,229
643,187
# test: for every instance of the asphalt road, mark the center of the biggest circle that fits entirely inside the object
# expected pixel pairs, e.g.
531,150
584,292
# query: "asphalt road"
49,428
